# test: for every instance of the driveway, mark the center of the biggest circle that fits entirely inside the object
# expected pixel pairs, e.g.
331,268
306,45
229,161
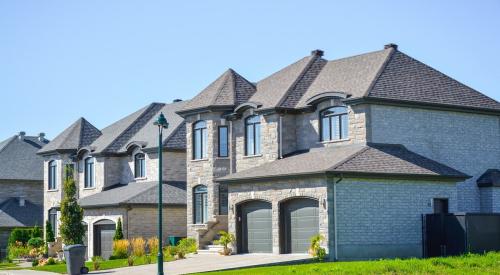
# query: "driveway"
210,262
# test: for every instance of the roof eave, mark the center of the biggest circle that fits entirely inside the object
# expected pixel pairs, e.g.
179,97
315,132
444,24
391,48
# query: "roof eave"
206,109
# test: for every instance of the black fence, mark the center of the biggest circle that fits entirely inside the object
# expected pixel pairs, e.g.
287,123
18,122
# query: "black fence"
455,234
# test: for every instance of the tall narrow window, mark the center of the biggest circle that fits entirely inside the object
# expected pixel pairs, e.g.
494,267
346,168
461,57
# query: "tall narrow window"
200,206
223,141
252,135
52,175
53,220
139,165
334,124
223,199
89,172
200,140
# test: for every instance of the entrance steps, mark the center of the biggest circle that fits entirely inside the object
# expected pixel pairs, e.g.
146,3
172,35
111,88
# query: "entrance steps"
211,249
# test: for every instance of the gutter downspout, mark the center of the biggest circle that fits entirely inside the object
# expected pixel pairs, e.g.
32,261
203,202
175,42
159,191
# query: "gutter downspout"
231,158
335,215
280,137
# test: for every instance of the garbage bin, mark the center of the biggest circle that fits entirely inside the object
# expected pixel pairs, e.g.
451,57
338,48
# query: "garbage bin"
173,240
75,259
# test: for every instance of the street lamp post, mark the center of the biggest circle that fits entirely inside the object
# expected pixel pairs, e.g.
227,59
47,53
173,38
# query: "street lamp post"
162,123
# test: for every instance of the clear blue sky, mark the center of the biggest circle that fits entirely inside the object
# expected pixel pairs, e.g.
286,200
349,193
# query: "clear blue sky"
60,60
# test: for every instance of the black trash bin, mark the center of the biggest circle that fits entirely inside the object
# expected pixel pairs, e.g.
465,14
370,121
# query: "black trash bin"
75,259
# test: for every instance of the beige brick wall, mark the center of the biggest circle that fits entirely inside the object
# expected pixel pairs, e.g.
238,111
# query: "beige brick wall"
143,222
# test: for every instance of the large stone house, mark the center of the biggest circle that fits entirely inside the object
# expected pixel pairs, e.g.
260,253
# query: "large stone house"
116,170
356,149
21,183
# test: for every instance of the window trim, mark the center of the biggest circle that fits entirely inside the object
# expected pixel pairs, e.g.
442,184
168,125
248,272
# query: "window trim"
203,209
219,141
85,173
255,153
339,116
143,168
202,141
52,177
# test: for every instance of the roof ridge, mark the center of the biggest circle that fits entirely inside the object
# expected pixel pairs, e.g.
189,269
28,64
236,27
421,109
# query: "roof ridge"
380,71
7,142
349,158
183,123
227,74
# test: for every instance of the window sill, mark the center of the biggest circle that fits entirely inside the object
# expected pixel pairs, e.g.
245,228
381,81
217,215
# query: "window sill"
334,141
223,157
252,156
52,190
89,188
198,160
139,179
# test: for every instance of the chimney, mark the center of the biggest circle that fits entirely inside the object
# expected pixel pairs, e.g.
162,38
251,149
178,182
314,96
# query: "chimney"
391,45
21,135
177,100
317,53
41,137
22,202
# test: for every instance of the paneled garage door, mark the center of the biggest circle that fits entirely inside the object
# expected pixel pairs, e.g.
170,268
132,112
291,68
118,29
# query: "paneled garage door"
300,221
255,227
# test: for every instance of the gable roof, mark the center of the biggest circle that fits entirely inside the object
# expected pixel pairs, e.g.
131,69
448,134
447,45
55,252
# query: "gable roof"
14,215
19,159
227,91
174,193
358,160
79,134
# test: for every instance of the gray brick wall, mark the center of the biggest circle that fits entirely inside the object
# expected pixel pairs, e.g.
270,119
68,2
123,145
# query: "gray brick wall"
30,190
465,141
490,199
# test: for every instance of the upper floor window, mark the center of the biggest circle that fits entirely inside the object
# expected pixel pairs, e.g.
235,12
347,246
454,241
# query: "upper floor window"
89,172
223,141
200,204
139,165
200,140
252,135
52,175
334,123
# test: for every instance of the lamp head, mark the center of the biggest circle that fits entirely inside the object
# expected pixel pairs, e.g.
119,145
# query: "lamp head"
161,121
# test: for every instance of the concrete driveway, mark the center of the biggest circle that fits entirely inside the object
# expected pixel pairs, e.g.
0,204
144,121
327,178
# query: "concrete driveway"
209,262
25,272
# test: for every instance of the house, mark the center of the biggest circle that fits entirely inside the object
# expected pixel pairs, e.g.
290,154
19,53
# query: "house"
355,149
21,180
116,170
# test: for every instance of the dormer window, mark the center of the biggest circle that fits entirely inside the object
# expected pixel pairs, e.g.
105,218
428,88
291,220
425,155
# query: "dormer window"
139,165
252,135
52,175
334,124
89,172
200,140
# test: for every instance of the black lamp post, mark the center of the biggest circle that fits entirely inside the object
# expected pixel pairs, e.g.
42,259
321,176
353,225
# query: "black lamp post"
162,123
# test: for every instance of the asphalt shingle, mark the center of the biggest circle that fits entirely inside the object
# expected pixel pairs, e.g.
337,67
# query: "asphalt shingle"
19,159
12,214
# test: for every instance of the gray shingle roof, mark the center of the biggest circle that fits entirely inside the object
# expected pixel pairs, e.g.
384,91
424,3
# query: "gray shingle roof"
174,193
490,178
370,159
14,215
79,134
18,158
228,90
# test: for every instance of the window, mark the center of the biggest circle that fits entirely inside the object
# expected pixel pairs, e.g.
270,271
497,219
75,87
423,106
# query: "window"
440,206
334,123
89,172
52,175
200,204
223,199
200,140
223,141
53,220
252,135
139,165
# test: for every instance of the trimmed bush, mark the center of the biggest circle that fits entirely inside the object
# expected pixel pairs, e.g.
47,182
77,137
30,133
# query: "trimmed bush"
118,231
35,242
49,234
20,235
188,245
36,232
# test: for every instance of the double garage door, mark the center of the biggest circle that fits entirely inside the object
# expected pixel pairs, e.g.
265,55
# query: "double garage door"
299,220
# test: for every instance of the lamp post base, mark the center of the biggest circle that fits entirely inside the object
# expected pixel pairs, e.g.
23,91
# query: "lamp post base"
160,263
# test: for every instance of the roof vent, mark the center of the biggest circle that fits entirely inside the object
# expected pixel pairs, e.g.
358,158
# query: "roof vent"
177,100
21,135
41,136
22,202
317,53
391,45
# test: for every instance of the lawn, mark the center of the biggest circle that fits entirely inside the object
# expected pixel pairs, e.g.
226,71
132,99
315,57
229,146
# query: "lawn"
468,264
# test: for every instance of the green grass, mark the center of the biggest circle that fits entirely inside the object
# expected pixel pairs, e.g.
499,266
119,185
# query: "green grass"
110,264
468,264
6,265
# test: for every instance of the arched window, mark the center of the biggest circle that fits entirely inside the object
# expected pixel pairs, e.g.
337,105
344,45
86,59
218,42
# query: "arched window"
200,204
334,123
200,140
52,175
53,220
252,135
139,165
89,172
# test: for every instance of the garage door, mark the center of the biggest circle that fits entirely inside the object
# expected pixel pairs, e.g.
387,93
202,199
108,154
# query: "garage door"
256,227
300,220
104,232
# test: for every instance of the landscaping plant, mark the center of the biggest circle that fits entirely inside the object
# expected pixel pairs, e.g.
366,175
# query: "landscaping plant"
153,243
225,240
120,249
119,231
35,242
96,262
315,248
36,232
138,247
72,230
130,260
187,245
49,234
20,235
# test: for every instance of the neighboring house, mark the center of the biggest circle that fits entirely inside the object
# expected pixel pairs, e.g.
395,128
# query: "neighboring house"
116,170
21,183
356,149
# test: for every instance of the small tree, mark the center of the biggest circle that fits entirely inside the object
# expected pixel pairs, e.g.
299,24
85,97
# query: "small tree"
118,231
49,234
37,232
72,230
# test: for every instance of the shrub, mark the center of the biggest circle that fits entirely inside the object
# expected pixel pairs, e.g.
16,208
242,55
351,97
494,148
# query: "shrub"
35,242
20,235
315,248
147,260
34,263
188,245
72,229
18,250
130,260
36,232
120,249
96,262
49,234
138,247
153,245
170,250
51,261
225,240
118,231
